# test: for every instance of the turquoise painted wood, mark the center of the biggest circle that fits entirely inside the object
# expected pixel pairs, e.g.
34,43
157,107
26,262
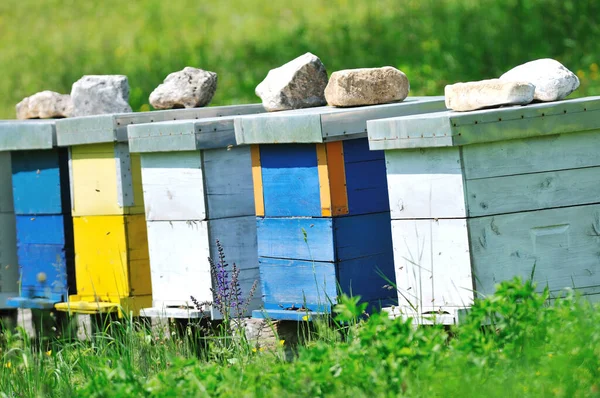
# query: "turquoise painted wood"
480,197
41,197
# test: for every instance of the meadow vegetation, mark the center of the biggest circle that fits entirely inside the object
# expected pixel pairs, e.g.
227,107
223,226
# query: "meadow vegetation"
47,45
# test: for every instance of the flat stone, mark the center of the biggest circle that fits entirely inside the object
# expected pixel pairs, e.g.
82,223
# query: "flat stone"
552,80
487,93
187,88
366,86
45,105
298,84
99,94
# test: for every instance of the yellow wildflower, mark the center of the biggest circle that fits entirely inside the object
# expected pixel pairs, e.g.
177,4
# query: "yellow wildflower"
254,349
7,365
49,352
281,342
261,349
305,318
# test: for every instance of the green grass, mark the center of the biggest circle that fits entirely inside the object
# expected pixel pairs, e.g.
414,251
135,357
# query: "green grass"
528,347
50,44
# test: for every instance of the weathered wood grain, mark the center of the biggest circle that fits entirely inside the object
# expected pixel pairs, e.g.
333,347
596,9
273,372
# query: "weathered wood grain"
425,183
517,193
6,197
432,262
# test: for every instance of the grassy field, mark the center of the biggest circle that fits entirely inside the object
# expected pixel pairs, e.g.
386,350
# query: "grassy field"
50,44
530,348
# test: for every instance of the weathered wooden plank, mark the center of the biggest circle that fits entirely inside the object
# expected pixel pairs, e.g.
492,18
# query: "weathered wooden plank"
297,284
561,244
362,236
43,271
173,186
337,178
290,180
509,194
464,128
362,277
42,229
259,199
138,255
6,195
9,269
432,264
357,150
278,127
27,134
425,183
36,182
531,155
228,182
296,238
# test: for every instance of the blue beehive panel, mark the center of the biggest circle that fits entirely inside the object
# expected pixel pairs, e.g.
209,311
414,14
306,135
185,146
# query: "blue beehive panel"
297,284
41,230
36,177
290,180
366,179
43,271
369,277
364,235
296,238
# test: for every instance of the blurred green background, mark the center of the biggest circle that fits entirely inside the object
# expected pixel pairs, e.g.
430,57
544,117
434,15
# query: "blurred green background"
49,44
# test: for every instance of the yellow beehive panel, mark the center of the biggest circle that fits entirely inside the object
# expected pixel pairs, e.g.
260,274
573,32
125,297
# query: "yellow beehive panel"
139,259
101,257
94,179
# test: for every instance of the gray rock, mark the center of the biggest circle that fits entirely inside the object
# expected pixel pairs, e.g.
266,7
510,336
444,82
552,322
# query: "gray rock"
551,79
188,88
298,84
45,105
487,93
98,94
366,86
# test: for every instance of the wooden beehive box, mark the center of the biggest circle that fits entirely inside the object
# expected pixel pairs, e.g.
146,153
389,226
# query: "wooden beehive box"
480,197
41,197
323,220
197,189
9,270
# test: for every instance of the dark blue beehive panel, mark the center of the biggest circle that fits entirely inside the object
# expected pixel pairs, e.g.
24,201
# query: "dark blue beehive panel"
366,179
37,182
290,180
43,271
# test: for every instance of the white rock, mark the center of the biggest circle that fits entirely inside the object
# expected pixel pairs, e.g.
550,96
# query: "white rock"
45,105
366,86
298,84
187,88
487,93
551,79
98,94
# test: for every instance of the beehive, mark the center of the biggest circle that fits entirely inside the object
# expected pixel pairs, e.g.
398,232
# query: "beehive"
197,189
41,197
480,197
323,221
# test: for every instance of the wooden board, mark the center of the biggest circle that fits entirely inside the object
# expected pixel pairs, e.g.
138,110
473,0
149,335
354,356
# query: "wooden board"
363,235
173,186
363,277
100,178
9,269
6,197
367,188
111,257
309,239
43,271
425,183
562,244
531,155
228,182
295,283
36,182
536,191
290,180
432,262
43,229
